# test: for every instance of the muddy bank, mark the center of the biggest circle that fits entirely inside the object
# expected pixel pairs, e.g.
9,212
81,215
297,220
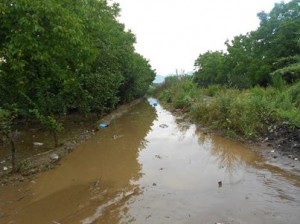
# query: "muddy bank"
41,156
281,146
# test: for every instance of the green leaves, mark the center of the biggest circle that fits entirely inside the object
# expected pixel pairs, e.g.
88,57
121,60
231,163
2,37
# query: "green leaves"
254,58
61,56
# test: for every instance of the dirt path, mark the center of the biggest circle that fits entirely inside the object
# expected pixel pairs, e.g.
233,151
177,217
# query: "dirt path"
150,166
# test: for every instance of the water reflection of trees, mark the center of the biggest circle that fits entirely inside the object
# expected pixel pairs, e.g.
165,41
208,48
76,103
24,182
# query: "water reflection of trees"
135,126
182,127
101,173
230,154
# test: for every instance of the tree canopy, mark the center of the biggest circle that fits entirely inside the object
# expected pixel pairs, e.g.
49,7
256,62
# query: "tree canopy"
58,56
258,58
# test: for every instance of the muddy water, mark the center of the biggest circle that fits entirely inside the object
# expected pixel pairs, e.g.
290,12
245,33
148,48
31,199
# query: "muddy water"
152,167
26,135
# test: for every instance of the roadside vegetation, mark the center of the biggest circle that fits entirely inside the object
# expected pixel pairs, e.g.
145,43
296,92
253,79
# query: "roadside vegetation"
251,88
59,56
248,113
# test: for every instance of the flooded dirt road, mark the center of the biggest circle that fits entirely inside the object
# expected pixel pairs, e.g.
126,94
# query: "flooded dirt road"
150,166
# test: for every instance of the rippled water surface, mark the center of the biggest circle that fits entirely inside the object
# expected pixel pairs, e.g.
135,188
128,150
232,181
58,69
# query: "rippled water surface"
150,166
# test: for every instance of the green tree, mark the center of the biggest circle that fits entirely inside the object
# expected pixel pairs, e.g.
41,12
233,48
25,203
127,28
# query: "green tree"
7,117
257,57
211,69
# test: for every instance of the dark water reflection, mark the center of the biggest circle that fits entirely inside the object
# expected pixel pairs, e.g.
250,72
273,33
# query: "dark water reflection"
151,167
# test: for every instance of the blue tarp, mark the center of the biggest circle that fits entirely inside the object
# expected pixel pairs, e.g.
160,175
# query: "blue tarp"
103,125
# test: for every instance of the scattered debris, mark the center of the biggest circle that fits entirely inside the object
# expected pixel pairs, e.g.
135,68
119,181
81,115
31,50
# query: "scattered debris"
266,139
220,183
158,156
163,126
103,125
117,136
38,144
54,156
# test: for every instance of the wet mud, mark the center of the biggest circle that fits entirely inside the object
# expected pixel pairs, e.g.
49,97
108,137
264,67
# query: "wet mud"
149,166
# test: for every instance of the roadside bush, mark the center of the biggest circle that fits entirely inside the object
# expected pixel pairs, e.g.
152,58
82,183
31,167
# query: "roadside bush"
213,90
180,91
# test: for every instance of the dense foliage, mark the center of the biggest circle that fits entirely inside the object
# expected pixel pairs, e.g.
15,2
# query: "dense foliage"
269,55
248,113
58,56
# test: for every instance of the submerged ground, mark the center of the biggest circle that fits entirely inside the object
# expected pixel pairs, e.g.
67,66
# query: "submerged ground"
151,166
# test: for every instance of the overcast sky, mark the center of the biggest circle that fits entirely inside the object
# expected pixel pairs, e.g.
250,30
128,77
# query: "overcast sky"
172,33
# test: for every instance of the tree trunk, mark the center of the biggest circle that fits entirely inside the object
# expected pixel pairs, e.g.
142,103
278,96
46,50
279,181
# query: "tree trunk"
55,139
13,155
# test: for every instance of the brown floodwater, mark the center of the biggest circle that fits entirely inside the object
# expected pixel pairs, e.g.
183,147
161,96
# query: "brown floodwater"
150,166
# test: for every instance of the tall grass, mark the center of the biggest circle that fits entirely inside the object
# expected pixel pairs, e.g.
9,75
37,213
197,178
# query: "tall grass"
246,113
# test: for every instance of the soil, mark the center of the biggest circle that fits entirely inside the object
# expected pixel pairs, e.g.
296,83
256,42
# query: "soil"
31,166
281,146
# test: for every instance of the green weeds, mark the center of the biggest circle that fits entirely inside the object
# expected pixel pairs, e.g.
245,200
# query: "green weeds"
247,113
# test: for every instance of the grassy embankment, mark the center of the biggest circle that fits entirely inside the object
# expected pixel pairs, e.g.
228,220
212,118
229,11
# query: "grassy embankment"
245,113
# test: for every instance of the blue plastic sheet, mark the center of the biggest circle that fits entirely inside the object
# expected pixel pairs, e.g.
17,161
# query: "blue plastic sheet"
103,125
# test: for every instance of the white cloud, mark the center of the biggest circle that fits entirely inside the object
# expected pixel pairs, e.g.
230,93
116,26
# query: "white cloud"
172,33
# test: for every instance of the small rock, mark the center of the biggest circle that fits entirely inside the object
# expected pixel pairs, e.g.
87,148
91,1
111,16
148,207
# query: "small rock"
5,168
272,151
3,161
266,139
154,184
37,144
296,159
55,222
220,183
54,156
297,146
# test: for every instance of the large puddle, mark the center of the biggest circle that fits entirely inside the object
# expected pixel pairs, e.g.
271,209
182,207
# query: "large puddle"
150,166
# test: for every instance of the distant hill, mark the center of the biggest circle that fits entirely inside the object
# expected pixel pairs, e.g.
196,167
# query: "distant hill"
159,79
